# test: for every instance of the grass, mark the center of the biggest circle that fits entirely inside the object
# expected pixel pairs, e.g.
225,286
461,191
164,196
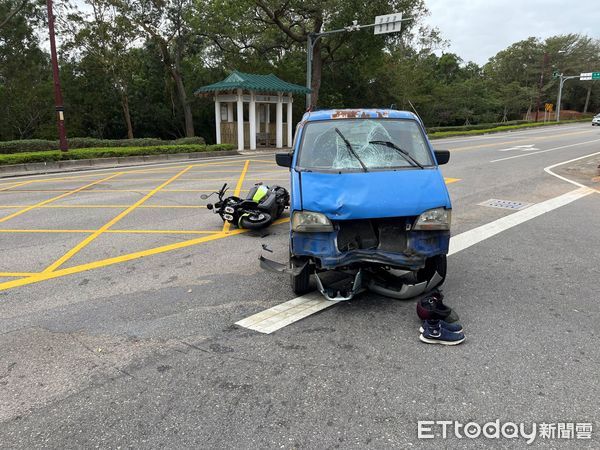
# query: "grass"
444,134
107,152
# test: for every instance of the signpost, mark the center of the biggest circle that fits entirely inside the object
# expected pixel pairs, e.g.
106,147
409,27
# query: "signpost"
587,76
389,23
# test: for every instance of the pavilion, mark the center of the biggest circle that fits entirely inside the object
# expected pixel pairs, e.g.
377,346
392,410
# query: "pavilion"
259,92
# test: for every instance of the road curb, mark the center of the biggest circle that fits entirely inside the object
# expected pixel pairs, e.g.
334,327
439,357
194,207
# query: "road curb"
15,170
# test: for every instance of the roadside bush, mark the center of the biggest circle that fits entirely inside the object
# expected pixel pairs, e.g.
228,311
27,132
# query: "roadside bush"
460,131
107,152
40,145
189,141
479,126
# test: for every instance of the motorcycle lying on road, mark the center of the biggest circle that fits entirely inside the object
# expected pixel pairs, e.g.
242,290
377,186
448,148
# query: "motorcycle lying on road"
259,209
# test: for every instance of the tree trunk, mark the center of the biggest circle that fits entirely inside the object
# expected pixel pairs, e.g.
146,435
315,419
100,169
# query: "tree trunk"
587,98
126,113
317,66
187,109
175,73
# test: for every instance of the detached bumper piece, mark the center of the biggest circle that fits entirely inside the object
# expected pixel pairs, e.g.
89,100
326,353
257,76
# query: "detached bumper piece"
340,294
274,266
403,290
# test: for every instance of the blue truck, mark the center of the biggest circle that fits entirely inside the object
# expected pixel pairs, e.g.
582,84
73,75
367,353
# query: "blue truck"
368,200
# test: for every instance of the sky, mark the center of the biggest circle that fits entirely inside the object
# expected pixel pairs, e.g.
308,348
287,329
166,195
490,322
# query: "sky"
478,29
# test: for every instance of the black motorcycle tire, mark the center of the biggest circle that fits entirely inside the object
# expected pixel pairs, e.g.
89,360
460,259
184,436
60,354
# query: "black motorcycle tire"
254,221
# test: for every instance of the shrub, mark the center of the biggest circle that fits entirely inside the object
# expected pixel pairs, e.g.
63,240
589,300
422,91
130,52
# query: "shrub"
39,145
107,152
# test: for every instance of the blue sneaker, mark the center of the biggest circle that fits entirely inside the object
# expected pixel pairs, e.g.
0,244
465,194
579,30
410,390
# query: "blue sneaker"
434,333
453,327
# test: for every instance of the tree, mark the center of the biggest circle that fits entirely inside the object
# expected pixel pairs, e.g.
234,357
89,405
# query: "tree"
106,36
25,76
166,23
294,20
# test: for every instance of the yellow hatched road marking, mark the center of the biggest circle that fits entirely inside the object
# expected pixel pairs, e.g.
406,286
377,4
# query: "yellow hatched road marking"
14,185
120,259
109,224
108,206
451,180
45,202
109,190
9,230
173,168
238,188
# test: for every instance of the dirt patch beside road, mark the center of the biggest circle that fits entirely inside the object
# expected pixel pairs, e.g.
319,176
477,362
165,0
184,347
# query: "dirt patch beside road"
585,171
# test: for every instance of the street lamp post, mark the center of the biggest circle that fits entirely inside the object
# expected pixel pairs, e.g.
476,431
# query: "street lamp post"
389,23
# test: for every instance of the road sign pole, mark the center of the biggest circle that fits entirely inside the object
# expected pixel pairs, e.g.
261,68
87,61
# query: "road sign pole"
383,24
562,79
559,98
309,51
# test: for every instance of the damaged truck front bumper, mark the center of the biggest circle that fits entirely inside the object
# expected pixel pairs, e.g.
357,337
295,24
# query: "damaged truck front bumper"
408,250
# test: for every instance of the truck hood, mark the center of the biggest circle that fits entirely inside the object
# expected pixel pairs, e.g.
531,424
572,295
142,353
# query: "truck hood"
367,195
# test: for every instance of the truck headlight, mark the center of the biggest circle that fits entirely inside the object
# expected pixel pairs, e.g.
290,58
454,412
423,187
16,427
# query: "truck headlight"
310,222
434,219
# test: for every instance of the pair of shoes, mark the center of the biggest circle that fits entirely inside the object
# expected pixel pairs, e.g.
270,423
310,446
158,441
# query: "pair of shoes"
452,327
434,333
431,307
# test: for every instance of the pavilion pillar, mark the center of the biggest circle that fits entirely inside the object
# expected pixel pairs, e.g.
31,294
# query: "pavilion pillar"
252,119
258,110
268,119
218,119
240,119
289,121
279,122
229,111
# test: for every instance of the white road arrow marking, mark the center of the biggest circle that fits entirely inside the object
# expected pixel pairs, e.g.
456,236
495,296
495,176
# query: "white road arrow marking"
523,148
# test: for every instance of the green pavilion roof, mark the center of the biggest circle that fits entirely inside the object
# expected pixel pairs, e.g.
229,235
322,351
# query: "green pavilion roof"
252,82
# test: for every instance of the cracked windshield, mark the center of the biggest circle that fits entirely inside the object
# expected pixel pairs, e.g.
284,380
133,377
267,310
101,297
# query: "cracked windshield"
323,146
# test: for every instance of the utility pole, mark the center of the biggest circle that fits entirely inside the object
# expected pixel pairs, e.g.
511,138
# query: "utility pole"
58,101
389,23
537,107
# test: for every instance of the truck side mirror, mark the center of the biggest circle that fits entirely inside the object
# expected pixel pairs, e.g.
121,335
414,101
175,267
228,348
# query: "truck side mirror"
283,159
442,156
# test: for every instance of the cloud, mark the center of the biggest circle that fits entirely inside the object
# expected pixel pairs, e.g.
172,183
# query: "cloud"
478,29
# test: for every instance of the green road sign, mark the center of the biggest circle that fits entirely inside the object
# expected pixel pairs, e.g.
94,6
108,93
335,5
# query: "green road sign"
589,76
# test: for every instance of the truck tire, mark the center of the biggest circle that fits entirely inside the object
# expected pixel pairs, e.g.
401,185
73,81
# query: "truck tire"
301,282
434,264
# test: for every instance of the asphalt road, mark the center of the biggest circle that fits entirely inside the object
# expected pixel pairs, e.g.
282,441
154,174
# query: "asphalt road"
118,303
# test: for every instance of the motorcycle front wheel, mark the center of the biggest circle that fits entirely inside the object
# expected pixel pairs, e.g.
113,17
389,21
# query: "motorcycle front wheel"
254,220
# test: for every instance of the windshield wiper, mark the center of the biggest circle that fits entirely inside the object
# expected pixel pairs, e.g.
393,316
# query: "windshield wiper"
404,153
351,150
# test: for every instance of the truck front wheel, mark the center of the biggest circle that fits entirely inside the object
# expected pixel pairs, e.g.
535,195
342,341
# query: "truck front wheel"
301,281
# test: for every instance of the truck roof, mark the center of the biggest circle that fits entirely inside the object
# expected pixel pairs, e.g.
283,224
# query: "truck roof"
329,114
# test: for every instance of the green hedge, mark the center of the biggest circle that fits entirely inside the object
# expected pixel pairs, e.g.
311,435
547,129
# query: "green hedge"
458,131
89,153
479,126
40,145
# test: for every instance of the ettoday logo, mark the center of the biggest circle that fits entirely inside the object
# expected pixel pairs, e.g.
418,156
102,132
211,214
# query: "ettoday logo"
431,429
